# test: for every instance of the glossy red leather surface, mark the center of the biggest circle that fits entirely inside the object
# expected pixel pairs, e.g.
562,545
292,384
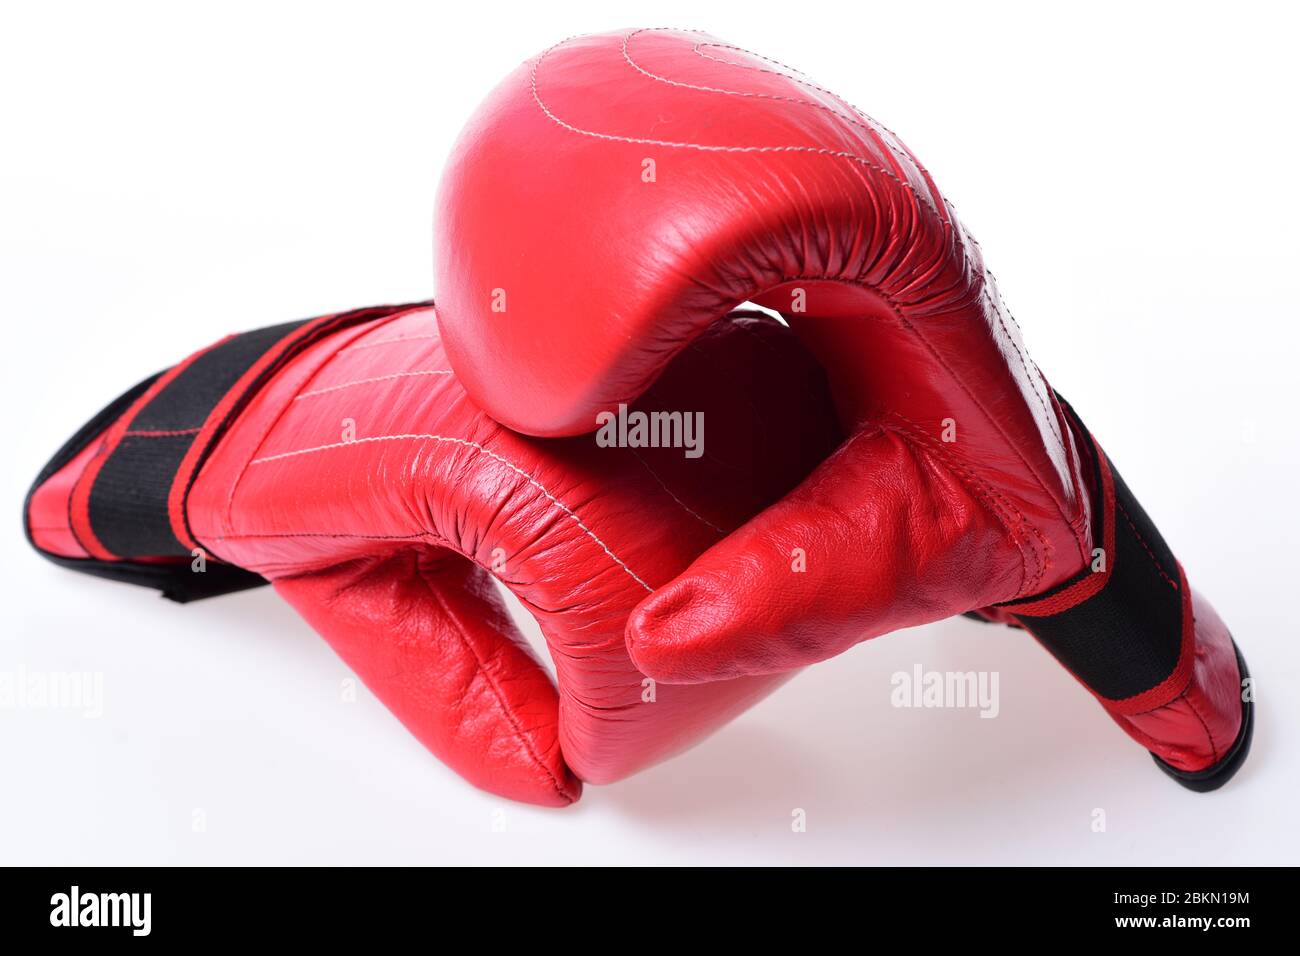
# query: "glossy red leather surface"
1195,729
381,501
49,517
764,187
617,193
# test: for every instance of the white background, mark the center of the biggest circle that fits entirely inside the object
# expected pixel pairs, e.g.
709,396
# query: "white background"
171,173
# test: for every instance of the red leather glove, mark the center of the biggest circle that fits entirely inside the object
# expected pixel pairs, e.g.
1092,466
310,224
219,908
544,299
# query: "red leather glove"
651,180
340,459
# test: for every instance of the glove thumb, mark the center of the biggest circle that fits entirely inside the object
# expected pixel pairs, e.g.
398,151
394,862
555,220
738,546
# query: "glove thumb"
428,634
884,534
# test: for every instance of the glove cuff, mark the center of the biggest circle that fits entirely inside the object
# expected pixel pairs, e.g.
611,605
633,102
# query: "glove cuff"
1131,630
1220,772
117,488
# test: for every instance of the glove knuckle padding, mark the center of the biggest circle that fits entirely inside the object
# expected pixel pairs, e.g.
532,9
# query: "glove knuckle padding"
765,188
565,524
380,501
710,176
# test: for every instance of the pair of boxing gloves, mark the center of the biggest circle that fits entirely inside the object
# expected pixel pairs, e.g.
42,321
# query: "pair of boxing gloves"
693,501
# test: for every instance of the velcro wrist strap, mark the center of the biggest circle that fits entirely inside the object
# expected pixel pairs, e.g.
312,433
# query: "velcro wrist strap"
1123,625
128,507
126,498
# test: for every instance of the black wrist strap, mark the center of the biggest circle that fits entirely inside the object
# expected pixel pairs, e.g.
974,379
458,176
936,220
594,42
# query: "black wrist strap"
1120,624
155,438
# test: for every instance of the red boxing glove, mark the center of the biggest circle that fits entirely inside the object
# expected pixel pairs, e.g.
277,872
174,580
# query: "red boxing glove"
620,192
340,459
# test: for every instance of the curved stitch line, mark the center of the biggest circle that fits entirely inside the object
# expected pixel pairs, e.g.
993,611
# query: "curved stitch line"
783,69
704,147
668,491
496,690
369,381
400,338
897,146
797,76
351,334
870,126
491,454
251,535
277,569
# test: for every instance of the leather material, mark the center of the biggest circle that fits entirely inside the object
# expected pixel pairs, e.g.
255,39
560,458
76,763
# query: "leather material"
1193,722
381,502
654,179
